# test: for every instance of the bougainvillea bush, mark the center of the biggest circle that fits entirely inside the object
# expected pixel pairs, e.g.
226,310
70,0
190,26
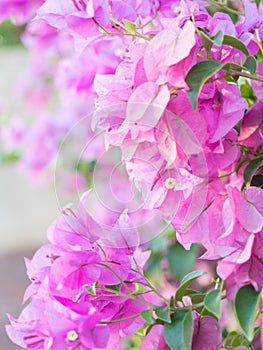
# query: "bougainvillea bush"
152,111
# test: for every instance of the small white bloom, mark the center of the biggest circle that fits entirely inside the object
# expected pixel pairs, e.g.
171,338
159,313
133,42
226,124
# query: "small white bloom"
177,9
72,335
170,183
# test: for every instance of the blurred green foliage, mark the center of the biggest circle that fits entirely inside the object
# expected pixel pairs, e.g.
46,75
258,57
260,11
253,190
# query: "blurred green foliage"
10,34
181,261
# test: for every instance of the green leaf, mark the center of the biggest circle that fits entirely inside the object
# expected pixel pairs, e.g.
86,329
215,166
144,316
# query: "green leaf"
236,342
154,268
251,169
179,333
230,338
181,261
240,164
197,299
139,288
186,281
246,306
114,20
198,75
247,91
85,167
236,43
164,313
148,317
172,301
10,157
245,342
92,289
218,39
114,288
212,302
251,64
257,181
129,26
190,292
10,34
257,330
208,41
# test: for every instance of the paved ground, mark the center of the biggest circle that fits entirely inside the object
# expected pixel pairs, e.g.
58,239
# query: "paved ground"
25,212
13,283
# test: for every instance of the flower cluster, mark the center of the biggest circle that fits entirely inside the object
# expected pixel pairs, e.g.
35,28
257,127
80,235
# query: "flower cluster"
189,150
20,10
176,87
82,283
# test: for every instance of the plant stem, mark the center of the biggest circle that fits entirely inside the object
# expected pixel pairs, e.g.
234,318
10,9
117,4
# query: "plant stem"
119,278
226,8
246,75
138,35
121,319
128,296
149,283
258,41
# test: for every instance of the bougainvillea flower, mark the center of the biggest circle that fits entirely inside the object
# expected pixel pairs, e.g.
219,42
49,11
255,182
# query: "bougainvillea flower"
251,131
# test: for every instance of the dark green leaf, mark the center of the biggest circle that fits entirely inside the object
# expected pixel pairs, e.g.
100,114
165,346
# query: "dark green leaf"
164,313
172,301
240,164
230,338
212,302
179,333
198,75
148,317
206,41
190,277
219,38
251,169
233,67
186,281
257,181
236,43
198,298
246,307
190,292
114,288
251,64
181,261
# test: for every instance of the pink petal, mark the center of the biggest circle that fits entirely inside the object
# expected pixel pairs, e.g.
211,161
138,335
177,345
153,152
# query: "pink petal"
147,104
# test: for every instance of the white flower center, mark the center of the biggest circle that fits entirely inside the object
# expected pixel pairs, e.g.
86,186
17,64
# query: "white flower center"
72,335
177,9
170,183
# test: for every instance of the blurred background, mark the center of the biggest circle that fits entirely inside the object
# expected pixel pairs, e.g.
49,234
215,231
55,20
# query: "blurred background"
25,211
